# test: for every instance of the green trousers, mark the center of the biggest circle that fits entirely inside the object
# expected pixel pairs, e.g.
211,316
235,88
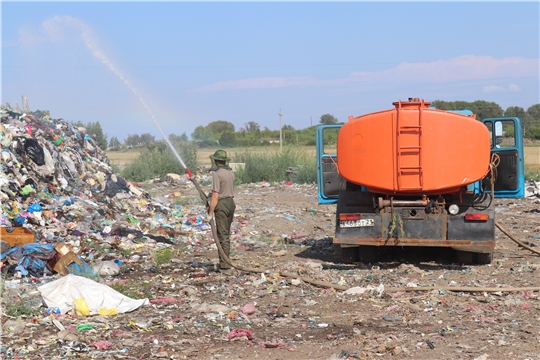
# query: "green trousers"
224,213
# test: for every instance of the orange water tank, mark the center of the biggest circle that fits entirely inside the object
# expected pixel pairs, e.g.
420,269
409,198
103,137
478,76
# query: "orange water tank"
413,149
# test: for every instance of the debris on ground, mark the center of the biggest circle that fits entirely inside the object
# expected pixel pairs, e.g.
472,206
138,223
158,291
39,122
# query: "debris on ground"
97,266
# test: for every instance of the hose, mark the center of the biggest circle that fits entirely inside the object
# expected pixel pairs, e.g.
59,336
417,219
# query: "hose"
326,284
461,289
499,226
495,161
319,283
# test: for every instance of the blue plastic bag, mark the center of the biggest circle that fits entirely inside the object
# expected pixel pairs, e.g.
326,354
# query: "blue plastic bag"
35,207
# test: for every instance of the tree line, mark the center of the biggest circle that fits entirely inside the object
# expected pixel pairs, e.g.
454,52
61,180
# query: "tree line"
224,133
530,118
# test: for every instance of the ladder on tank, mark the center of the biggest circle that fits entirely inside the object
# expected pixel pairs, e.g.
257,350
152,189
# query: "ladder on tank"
409,151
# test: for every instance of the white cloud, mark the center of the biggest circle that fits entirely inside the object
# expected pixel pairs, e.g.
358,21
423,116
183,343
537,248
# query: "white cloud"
467,67
495,88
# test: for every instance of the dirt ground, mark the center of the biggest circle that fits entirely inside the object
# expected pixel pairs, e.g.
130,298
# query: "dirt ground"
281,228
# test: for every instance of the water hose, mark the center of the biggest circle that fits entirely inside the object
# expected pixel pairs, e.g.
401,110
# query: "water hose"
499,226
326,284
475,289
319,283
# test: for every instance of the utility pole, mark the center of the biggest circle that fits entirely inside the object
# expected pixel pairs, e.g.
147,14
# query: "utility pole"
280,133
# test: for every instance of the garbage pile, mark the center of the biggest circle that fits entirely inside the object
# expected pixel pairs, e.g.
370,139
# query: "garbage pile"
57,189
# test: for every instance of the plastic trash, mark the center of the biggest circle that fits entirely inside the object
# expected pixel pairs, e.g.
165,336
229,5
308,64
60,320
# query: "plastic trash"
82,268
34,208
64,291
298,235
236,333
34,151
106,268
81,307
102,345
107,312
57,140
27,189
84,327
52,310
249,309
31,258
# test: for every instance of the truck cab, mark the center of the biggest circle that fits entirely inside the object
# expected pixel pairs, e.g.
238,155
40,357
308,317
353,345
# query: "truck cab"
506,140
367,220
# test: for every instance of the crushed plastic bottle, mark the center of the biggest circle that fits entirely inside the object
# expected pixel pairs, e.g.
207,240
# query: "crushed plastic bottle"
52,310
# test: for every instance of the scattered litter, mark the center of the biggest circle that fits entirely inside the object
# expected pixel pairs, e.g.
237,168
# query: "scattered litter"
249,309
239,333
360,290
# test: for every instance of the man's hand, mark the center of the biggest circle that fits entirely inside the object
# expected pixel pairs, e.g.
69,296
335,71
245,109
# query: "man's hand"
209,218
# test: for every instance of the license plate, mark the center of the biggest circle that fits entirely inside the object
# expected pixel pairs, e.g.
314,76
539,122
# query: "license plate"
357,223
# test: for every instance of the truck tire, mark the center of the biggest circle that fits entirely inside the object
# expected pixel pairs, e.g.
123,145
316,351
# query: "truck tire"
484,258
349,255
368,254
465,257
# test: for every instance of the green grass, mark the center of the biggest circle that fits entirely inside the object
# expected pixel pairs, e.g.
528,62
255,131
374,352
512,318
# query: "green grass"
157,160
163,256
532,172
130,291
205,182
182,201
272,166
3,279
124,252
20,308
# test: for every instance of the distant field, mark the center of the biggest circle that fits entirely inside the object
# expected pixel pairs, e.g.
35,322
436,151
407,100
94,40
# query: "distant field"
122,159
204,154
532,155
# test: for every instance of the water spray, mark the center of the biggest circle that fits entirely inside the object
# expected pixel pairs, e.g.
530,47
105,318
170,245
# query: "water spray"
91,44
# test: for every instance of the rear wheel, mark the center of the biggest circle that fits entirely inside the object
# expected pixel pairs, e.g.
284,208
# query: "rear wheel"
484,258
465,257
349,255
368,254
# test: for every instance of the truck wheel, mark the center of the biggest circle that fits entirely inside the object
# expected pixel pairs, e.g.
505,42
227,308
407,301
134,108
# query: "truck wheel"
465,257
484,259
349,255
368,254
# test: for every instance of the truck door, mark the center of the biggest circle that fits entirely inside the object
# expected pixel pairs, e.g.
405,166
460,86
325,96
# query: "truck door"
329,182
506,137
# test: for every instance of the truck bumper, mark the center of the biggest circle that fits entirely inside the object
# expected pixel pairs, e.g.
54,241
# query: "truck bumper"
428,230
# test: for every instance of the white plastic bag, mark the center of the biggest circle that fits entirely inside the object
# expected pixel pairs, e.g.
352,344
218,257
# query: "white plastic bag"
64,291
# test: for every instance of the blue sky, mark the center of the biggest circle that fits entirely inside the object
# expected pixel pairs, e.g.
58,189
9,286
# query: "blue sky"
184,64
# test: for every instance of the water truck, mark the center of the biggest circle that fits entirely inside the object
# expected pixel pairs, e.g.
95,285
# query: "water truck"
417,176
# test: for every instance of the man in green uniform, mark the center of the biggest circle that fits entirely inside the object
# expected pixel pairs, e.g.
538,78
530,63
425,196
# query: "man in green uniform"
222,204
